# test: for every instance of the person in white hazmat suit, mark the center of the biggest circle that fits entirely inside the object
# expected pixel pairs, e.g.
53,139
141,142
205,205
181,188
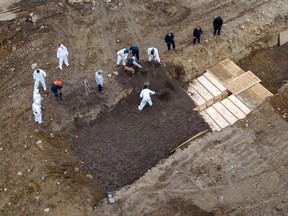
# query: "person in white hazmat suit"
145,95
37,97
122,56
36,109
99,80
153,54
62,55
39,76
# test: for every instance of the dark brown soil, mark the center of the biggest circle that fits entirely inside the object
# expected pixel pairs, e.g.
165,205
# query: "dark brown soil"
270,65
259,62
122,144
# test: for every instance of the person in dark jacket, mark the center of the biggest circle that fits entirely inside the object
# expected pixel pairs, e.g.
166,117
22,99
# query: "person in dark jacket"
56,89
169,40
135,51
217,23
197,33
132,61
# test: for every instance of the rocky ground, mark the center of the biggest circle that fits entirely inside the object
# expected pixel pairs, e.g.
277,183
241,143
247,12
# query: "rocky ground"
45,169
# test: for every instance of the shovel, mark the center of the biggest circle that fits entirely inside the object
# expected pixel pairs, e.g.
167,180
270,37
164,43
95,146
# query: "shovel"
162,93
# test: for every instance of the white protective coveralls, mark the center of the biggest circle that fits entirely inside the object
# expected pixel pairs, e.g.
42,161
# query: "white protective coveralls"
145,95
39,76
37,97
122,56
62,55
36,109
154,56
99,80
99,77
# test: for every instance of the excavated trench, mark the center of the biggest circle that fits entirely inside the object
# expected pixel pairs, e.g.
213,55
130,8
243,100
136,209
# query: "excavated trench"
270,65
122,143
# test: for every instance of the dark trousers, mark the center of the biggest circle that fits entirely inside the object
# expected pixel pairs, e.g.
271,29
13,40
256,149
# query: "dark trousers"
196,39
55,92
217,30
169,45
59,96
100,88
135,53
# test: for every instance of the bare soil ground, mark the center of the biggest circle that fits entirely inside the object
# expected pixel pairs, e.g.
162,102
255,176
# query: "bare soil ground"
123,143
91,144
270,66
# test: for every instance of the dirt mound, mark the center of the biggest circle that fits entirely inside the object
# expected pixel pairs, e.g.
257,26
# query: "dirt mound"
122,143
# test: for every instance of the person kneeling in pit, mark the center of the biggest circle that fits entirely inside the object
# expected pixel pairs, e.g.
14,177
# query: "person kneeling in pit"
56,89
132,61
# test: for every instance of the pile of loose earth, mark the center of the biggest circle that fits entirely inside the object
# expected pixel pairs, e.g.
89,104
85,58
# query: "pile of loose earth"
122,143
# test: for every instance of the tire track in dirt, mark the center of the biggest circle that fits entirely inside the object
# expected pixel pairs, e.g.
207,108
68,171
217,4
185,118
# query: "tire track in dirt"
247,10
131,24
85,32
155,39
183,11
27,48
17,86
10,79
80,44
106,33
15,133
248,162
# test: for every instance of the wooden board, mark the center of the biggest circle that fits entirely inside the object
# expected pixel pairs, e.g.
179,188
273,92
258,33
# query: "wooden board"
210,87
242,82
233,108
231,67
261,91
225,71
283,37
203,92
218,85
226,114
213,125
239,104
250,99
198,100
220,74
221,122
189,140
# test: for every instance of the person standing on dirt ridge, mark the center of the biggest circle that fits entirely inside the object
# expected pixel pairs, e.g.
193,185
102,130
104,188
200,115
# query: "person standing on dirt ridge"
36,109
99,80
197,33
169,40
122,55
153,54
39,76
56,89
62,55
135,51
145,95
132,61
217,24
